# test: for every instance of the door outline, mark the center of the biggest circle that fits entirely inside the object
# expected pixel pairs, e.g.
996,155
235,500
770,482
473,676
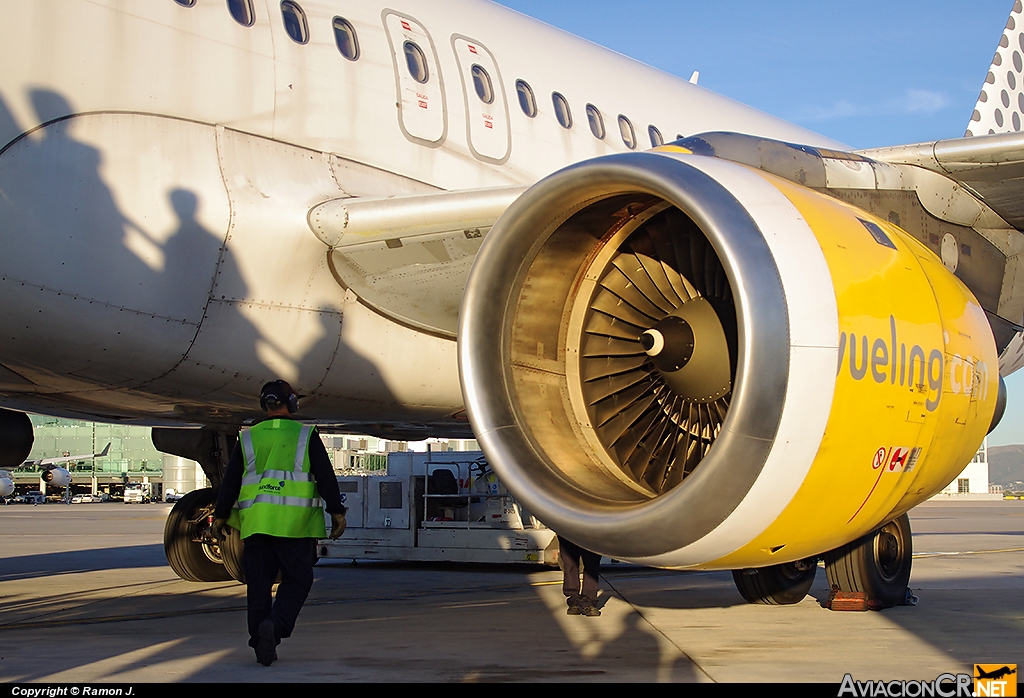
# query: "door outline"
434,65
469,92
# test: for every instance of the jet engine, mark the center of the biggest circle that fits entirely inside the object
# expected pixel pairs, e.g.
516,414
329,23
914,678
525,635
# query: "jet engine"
58,477
684,361
16,437
6,484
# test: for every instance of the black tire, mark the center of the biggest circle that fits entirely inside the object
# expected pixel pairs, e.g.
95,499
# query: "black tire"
877,564
231,554
192,561
778,585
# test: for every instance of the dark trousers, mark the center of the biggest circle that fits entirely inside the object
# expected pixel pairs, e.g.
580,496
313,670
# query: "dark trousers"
572,555
265,557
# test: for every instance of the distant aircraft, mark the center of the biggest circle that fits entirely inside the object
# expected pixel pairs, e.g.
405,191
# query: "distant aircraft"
52,473
684,332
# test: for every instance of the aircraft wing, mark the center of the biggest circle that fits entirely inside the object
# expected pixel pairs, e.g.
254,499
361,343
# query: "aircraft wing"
990,167
51,462
409,256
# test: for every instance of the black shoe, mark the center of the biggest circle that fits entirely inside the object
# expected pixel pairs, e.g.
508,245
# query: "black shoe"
266,649
589,607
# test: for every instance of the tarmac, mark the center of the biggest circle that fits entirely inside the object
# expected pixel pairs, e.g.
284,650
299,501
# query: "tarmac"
86,596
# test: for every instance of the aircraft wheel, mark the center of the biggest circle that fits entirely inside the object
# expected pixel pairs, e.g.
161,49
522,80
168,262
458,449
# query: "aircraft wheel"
231,553
778,585
877,564
191,550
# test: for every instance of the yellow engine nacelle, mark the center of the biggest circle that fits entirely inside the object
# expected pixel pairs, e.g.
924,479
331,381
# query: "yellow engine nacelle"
684,361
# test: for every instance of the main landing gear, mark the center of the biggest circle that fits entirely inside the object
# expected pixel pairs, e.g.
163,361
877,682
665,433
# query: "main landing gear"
193,552
778,585
877,565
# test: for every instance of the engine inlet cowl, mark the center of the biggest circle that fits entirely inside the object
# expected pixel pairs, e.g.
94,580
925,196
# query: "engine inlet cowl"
612,330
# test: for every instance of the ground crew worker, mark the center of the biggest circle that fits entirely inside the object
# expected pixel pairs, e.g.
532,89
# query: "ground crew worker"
581,600
275,473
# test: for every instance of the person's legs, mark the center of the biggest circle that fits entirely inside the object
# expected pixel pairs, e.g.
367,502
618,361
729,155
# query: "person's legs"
296,559
260,564
591,572
569,554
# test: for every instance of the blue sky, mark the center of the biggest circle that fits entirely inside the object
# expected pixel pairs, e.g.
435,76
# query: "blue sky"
867,74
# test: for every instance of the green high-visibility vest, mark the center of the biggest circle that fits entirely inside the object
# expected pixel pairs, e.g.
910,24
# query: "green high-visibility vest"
278,495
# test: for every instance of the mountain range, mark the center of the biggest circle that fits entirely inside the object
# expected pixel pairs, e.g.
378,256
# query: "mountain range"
1006,466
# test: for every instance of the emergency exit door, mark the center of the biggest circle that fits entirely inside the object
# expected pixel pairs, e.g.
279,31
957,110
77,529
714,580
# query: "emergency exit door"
487,123
421,105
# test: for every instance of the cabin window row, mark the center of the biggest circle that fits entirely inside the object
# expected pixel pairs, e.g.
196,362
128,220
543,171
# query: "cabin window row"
563,114
296,26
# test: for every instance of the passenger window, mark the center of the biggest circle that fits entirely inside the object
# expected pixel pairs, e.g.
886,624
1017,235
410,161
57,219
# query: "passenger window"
627,133
655,136
417,62
242,11
186,3
295,22
345,38
482,84
596,121
562,112
527,102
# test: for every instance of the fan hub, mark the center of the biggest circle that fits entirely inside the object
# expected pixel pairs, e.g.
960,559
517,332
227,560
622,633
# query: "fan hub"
694,361
669,343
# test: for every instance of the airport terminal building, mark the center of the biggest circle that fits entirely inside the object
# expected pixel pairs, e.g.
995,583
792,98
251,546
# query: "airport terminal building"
973,482
133,458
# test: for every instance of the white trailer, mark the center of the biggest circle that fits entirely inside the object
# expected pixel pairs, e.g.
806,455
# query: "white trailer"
446,506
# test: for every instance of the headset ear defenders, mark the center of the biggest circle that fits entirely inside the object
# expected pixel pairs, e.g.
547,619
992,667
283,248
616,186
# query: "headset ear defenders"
277,393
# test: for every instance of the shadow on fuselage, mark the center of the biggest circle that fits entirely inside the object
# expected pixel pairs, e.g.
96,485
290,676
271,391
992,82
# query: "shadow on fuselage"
105,294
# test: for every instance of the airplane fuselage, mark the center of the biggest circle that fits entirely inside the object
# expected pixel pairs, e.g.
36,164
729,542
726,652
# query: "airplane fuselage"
159,162
743,349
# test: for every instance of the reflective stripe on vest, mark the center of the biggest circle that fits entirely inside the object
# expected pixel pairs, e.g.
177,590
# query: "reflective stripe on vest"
254,477
275,500
283,501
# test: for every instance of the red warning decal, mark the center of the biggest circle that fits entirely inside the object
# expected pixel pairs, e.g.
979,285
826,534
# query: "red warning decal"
899,459
405,26
879,460
472,49
894,459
